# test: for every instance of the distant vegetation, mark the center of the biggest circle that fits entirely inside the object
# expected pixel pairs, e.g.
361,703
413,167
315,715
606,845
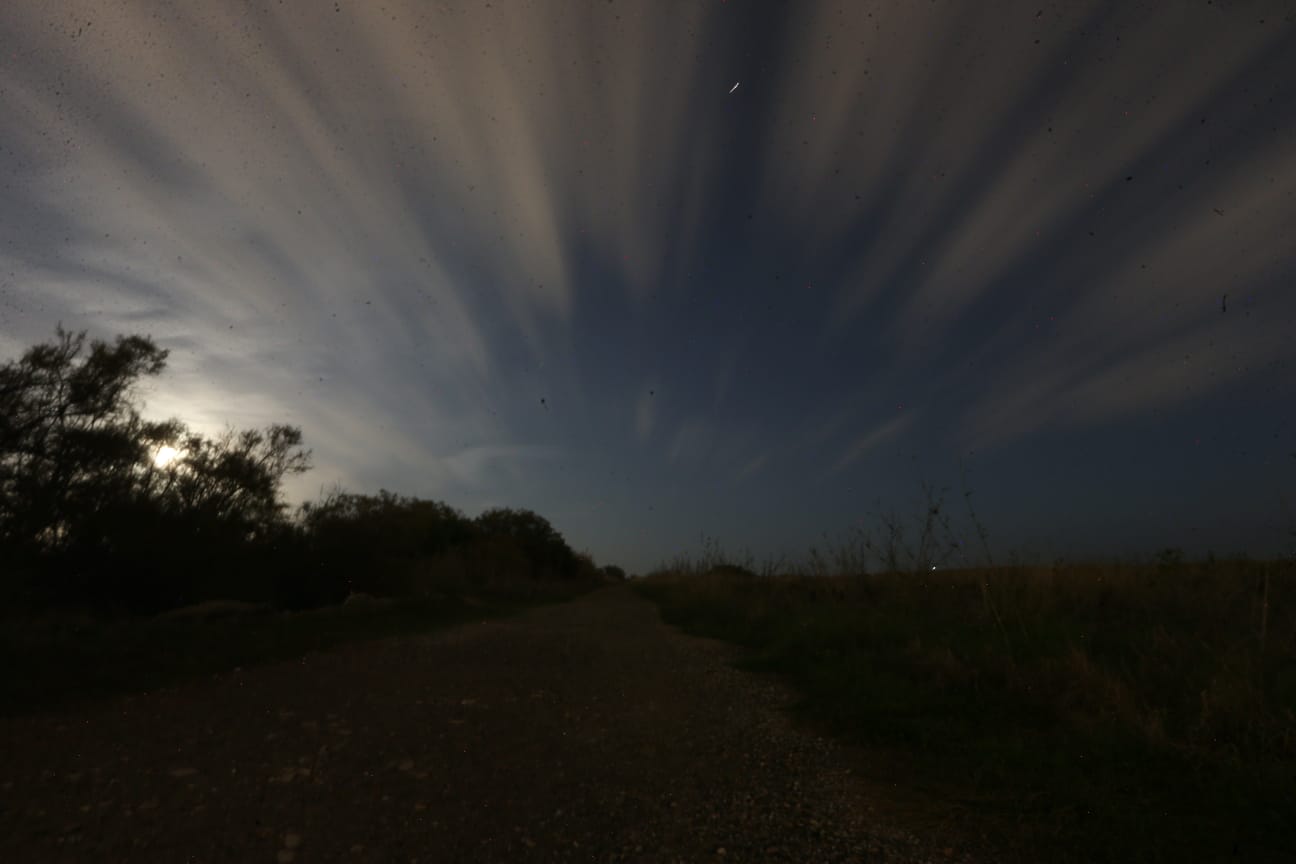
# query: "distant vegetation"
1091,712
109,513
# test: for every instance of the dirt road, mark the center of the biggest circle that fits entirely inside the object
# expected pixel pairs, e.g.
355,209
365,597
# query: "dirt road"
586,731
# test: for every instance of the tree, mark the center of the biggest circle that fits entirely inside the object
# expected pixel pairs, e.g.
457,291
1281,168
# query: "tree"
381,544
541,545
235,479
70,439
83,504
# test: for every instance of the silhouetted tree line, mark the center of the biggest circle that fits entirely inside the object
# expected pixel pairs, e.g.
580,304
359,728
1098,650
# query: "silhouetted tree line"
389,545
90,517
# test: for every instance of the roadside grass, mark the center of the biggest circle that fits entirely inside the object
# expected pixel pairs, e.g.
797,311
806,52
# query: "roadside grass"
62,661
1090,712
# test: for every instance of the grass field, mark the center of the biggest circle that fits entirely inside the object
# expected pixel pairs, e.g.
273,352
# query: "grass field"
1087,712
61,661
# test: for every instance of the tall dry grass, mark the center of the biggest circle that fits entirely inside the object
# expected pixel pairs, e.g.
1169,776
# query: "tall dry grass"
1122,710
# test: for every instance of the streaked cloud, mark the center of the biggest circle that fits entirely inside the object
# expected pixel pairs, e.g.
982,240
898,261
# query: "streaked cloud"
753,466
462,245
862,446
645,414
691,443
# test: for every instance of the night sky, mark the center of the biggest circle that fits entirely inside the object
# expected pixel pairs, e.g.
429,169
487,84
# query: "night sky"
544,254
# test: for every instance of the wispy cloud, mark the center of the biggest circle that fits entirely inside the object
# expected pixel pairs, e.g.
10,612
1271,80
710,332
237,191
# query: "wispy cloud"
479,467
1156,334
645,414
691,442
450,239
753,467
405,184
873,439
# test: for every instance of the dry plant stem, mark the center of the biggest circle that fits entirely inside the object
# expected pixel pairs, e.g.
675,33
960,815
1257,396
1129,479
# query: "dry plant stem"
985,584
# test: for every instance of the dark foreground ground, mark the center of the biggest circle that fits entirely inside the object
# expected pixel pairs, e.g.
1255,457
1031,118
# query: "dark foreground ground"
583,731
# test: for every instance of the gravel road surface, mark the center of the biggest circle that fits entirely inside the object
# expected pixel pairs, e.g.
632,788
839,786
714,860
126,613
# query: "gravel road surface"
586,731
